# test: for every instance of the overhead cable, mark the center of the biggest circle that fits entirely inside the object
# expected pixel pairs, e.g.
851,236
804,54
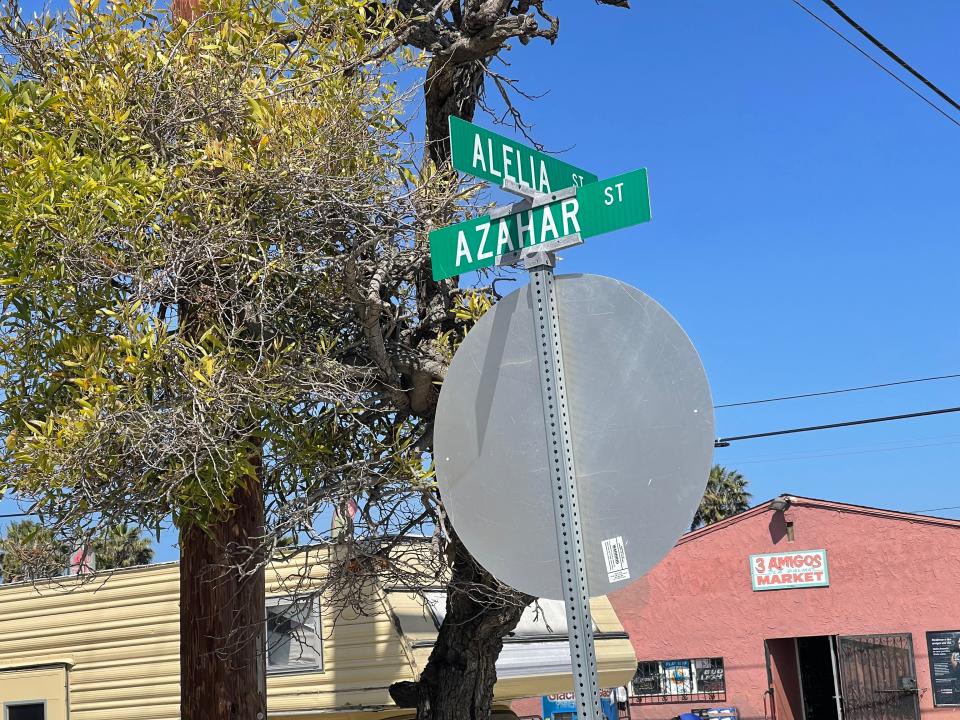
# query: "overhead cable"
725,441
876,62
837,392
929,510
847,452
890,53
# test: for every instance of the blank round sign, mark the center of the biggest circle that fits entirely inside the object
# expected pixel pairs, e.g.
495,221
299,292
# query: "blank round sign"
641,418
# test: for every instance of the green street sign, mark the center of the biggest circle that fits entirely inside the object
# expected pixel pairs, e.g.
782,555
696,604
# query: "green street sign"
597,208
494,158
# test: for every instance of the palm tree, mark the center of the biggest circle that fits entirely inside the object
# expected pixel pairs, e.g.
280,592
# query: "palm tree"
122,546
726,495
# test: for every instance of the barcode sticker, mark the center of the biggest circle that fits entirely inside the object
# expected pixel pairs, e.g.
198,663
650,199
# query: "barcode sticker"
616,559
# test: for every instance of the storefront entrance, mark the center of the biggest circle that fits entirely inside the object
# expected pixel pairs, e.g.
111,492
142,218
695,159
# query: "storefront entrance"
818,678
846,677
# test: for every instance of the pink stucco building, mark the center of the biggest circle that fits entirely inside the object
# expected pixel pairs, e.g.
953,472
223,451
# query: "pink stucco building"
802,609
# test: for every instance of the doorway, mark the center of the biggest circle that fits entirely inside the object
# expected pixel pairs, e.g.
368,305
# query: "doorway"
829,677
879,677
803,678
818,680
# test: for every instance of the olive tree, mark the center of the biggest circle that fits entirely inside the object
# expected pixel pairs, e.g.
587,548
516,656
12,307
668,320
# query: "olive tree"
217,306
195,220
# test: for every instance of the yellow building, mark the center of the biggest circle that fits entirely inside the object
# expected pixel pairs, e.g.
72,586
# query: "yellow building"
106,648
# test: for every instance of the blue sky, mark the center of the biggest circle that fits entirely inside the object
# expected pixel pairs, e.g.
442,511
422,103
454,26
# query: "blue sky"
805,220
806,217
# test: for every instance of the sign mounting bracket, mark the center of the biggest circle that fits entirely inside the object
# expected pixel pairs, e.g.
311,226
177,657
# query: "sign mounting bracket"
531,201
525,191
544,255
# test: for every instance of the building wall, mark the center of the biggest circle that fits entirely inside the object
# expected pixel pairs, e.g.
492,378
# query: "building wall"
119,641
887,575
118,637
47,685
527,707
111,643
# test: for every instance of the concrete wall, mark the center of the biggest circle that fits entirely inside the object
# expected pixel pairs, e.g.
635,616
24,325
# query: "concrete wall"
889,573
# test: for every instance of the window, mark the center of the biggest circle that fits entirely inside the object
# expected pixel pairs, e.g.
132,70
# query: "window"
684,680
24,711
293,635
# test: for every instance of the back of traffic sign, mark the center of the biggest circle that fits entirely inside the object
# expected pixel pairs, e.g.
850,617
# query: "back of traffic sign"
642,420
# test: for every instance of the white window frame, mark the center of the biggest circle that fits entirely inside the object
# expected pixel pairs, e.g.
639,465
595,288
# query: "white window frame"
279,601
542,620
16,703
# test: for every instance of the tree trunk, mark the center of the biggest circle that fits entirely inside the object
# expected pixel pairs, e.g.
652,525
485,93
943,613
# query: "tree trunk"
449,90
457,683
222,594
222,665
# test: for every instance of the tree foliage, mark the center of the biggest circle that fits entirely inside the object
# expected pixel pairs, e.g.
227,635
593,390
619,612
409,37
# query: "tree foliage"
215,278
726,495
121,547
31,551
207,264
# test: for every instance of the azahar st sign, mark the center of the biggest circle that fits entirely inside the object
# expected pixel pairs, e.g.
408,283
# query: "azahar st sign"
597,208
499,160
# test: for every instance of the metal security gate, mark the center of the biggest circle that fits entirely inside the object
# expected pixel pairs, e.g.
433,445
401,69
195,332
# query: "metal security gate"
878,677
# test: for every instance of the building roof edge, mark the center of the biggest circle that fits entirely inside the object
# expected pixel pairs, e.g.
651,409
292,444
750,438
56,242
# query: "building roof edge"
801,501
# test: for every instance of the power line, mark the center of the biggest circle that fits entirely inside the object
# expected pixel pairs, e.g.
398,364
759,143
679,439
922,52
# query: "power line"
14,515
890,53
846,453
838,392
951,507
725,442
902,442
875,61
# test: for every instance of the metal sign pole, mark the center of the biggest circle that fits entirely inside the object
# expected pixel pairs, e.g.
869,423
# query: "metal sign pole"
562,470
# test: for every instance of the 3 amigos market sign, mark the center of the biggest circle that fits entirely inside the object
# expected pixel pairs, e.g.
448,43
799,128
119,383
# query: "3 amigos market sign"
782,571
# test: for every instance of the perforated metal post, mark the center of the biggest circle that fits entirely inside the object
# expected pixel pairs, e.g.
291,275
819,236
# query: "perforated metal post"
556,417
540,260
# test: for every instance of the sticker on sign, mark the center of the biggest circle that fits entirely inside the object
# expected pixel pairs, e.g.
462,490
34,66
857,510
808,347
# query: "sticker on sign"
616,559
598,208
